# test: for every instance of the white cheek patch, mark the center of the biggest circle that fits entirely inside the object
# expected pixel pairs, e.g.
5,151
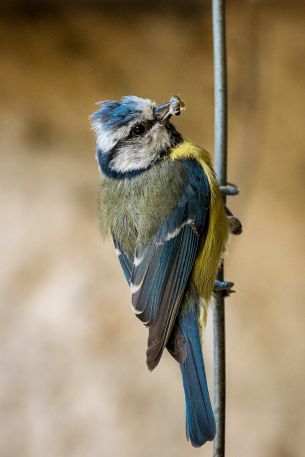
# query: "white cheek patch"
139,154
130,158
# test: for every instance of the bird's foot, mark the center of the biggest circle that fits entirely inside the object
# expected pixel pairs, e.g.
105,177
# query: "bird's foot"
229,189
235,226
223,287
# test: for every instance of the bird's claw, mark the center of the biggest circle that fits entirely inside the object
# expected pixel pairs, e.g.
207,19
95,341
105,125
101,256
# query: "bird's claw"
235,226
223,287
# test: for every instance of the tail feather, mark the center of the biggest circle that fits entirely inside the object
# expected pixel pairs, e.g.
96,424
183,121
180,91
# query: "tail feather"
200,422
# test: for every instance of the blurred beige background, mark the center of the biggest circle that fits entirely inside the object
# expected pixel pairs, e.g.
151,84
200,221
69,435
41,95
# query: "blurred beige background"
73,377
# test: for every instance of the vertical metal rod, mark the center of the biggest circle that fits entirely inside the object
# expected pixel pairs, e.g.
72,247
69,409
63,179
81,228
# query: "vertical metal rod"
220,88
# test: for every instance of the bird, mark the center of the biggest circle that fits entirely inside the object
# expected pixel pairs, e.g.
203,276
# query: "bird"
160,201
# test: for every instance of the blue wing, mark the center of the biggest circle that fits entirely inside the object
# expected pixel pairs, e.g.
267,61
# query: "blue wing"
125,260
162,269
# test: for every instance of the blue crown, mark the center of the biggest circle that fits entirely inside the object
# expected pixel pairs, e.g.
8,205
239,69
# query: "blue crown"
116,114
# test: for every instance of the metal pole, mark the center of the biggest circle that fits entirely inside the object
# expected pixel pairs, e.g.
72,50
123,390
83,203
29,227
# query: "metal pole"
220,81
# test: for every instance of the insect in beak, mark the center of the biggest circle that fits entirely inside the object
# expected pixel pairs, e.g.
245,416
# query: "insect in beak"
166,110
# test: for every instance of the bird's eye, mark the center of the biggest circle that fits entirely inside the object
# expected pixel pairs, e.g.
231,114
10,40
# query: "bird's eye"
138,129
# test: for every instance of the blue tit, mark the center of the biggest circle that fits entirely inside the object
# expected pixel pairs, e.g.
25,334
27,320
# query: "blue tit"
160,201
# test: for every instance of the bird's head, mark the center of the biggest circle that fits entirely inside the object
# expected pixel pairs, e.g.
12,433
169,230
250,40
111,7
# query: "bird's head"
134,133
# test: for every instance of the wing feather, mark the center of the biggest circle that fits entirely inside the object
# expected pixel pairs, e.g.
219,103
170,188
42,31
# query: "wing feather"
164,266
159,272
161,329
124,259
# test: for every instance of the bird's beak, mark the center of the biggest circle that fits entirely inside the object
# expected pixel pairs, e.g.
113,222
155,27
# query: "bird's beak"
166,110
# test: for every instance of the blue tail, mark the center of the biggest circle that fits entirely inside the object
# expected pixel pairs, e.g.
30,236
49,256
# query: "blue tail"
200,422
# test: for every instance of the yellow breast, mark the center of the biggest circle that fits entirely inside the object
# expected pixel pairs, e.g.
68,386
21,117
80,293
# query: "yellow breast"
208,259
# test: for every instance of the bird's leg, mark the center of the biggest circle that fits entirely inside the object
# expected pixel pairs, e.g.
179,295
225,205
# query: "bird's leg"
235,225
223,287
